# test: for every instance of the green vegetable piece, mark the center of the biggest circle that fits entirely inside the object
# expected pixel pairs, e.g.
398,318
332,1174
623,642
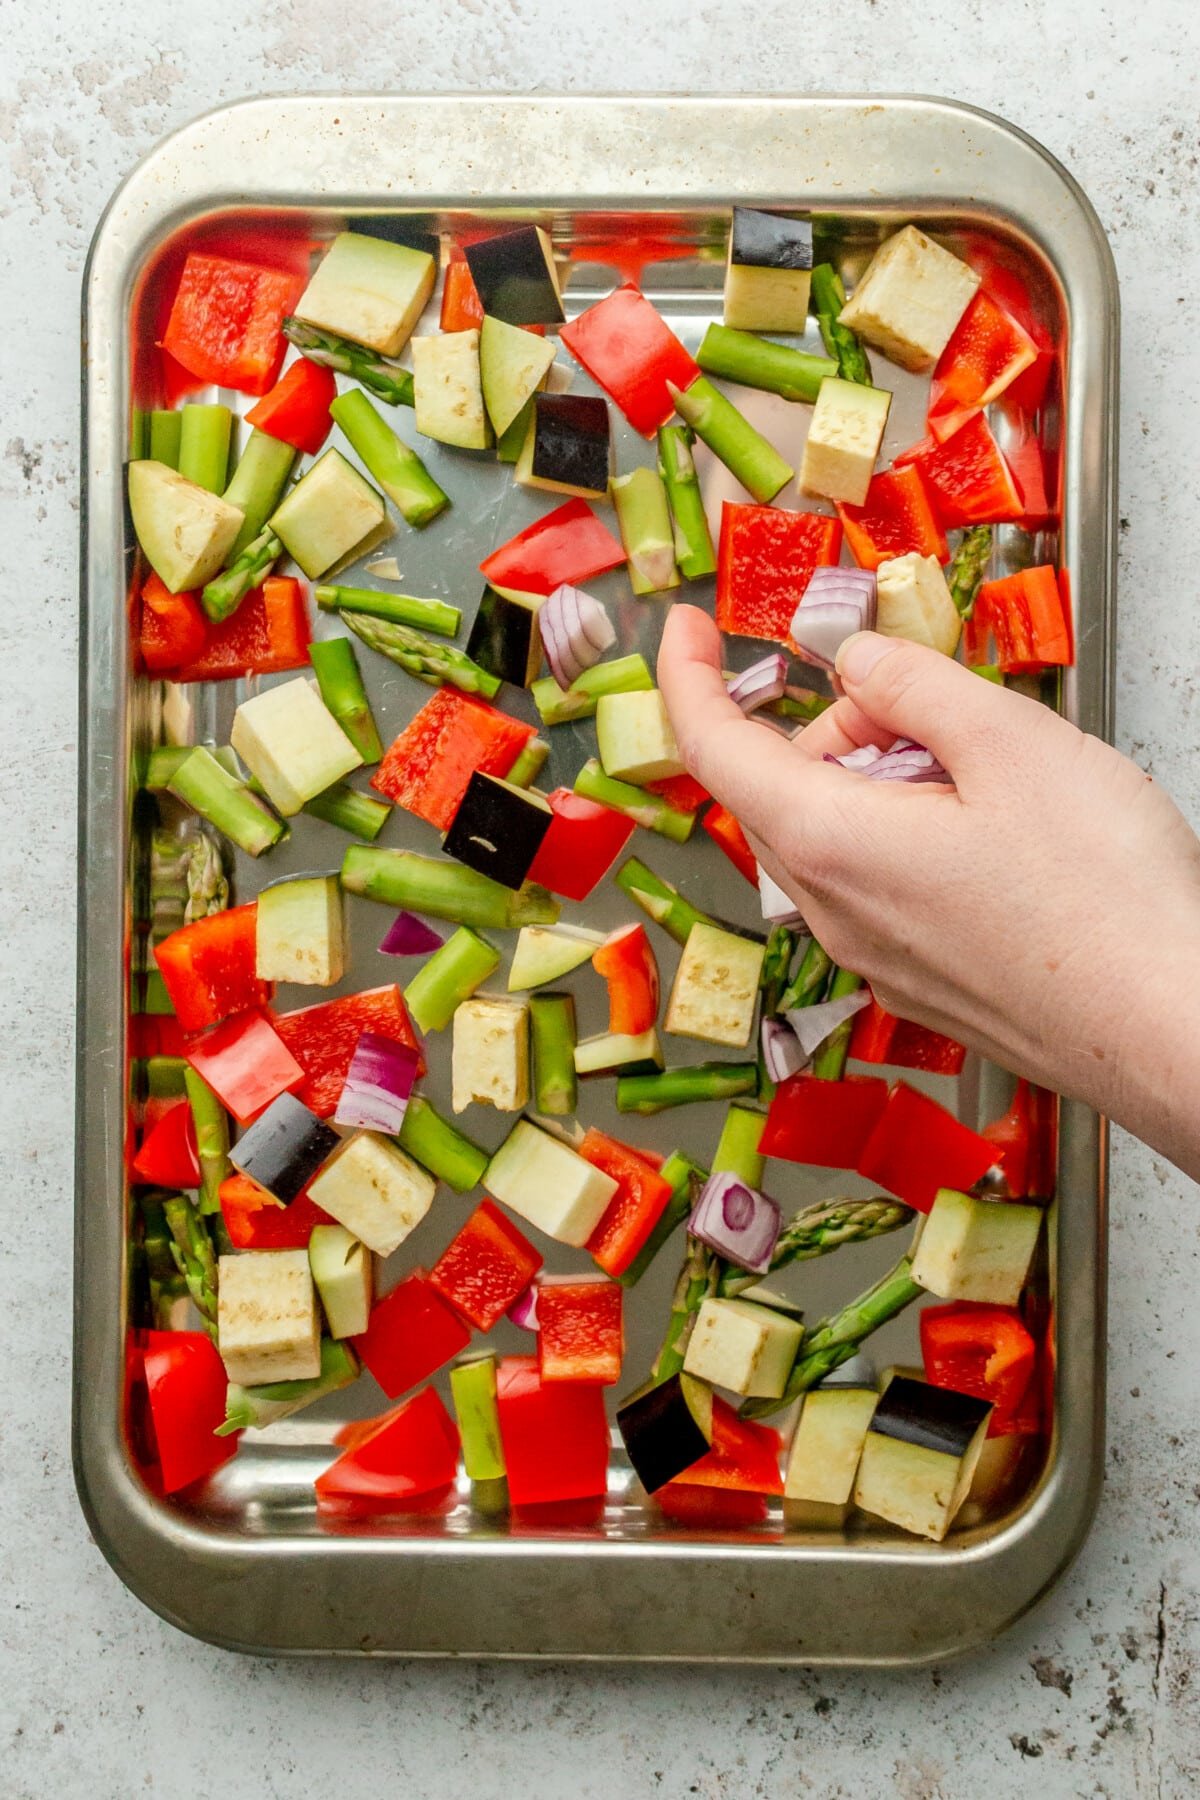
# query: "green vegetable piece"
473,1390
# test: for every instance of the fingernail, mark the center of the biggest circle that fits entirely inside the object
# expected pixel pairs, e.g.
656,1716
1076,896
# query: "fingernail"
860,653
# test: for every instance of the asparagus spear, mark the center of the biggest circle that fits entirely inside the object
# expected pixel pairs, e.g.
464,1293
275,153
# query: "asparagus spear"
798,703
341,805
165,428
807,985
192,1249
732,438
553,1036
698,1280
664,903
757,362
202,783
836,1339
694,552
225,592
685,1087
164,759
385,379
737,1152
777,960
212,1139
429,662
968,566
529,763
336,669
204,445
816,1230
253,1408
439,1147
402,609
636,803
644,519
396,467
139,434
828,295
829,1063
624,675
448,977
444,890
257,486
686,1179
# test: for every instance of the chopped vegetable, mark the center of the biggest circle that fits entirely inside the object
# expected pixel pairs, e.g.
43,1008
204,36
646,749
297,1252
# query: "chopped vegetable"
552,1044
694,554
626,963
976,1249
344,1277
428,768
225,593
323,1039
283,1149
185,531
485,1267
268,634
393,463
737,1221
209,968
498,829
297,409
827,1444
201,783
754,361
506,637
685,1086
292,744
664,903
245,1063
398,609
440,1148
412,1331
490,1055
378,1085
666,1427
732,439
226,319
300,931
447,392
916,1148
515,276
979,1349
254,1408
715,990
1029,617
340,681
766,560
641,1197
185,1384
256,487
568,446
624,675
451,975
445,890
268,1327
331,516
767,271
581,844
473,1391
548,1183
167,1155
880,1037
836,603
406,1455
909,298
567,545
576,631
629,350
554,1434
915,602
368,289
513,363
919,1455
738,1345
843,440
374,1189
967,477
895,518
388,381
824,1123
580,1332
647,533
729,837
638,804
172,628
256,1221
986,353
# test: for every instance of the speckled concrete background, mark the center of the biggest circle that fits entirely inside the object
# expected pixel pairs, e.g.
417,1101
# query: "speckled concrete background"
1097,1694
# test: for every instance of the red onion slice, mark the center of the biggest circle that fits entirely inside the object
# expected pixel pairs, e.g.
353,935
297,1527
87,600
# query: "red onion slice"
576,631
782,1055
819,630
778,907
813,1024
378,1084
737,1221
902,761
410,936
523,1311
761,683
827,582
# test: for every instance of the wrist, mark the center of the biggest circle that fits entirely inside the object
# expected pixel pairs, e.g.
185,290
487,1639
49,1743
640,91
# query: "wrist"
1151,1081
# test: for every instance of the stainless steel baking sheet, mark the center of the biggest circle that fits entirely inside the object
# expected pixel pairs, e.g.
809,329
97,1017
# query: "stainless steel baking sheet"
247,1562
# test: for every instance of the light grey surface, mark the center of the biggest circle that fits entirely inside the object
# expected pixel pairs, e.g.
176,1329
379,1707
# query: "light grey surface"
1095,1694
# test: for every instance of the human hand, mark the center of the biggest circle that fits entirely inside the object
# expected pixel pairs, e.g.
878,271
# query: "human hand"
1044,910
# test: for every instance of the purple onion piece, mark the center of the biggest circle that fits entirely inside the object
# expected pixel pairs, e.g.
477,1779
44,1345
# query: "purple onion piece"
576,631
523,1311
410,936
813,1024
737,1221
761,683
819,629
778,907
902,761
782,1055
379,1081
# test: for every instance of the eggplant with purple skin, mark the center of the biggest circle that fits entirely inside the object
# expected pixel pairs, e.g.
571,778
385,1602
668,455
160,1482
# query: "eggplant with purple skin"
666,1427
568,446
768,272
505,638
919,1455
498,829
516,278
284,1148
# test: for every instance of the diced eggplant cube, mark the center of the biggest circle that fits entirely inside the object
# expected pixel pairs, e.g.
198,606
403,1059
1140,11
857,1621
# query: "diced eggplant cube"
344,1272
768,272
489,1057
843,440
300,931
770,240
505,638
370,291
973,1249
823,1459
635,737
715,990
284,1148
498,829
332,515
747,1348
268,1328
619,1053
549,1184
375,1190
568,446
292,744
515,276
911,296
916,603
919,1455
447,390
666,1427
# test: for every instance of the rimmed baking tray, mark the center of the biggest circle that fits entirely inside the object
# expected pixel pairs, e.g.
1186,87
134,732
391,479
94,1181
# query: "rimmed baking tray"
246,1562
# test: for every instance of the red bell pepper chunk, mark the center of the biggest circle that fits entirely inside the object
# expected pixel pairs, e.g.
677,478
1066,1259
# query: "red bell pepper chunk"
411,1332
980,1349
878,1036
581,1335
728,836
625,346
744,1455
1009,290
569,544
225,321
208,968
268,634
167,1157
462,309
255,1221
986,353
554,1435
483,1269
967,477
186,1384
683,792
1029,617
765,560
323,1039
1025,1142
155,1034
896,517
710,1509
428,767
246,1064
173,627
1036,472
634,1209
296,411
823,1123
918,1147
411,1450
156,1107
581,846
625,961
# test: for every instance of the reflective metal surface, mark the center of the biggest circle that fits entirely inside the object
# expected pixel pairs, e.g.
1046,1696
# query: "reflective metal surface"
247,1562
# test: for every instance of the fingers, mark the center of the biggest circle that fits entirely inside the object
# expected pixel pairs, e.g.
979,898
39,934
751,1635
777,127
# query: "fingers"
840,729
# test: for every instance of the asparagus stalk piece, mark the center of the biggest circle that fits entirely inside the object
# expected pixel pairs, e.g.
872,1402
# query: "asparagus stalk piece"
202,783
828,296
164,1077
732,438
529,764
139,434
664,903
225,592
341,805
212,1139
553,1038
777,960
164,759
799,703
694,551
385,379
698,1280
187,882
429,662
401,609
835,1340
737,1152
685,1087
817,1230
444,890
257,486
166,1287
808,984
255,1407
336,669
396,467
829,1063
644,808
968,566
644,519
165,428
757,362
192,1249
624,675
439,1147
448,977
686,1179
204,445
